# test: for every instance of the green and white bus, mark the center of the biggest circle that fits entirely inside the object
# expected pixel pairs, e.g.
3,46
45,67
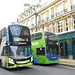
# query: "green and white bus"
15,46
45,49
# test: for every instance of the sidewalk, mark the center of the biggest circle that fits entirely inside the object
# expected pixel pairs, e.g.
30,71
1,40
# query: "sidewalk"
67,62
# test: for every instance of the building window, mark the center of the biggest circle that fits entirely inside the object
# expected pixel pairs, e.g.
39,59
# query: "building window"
53,28
29,24
43,28
32,31
62,50
59,10
52,16
73,4
39,29
48,28
24,14
33,21
66,49
47,15
39,0
74,22
66,8
43,17
20,16
39,22
25,24
59,26
66,24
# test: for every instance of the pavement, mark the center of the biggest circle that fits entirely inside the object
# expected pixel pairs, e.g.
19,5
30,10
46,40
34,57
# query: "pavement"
67,62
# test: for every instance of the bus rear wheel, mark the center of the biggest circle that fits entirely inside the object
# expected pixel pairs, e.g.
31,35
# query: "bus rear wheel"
0,63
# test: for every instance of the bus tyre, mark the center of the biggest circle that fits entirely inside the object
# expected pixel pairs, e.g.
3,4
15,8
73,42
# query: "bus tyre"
0,63
33,61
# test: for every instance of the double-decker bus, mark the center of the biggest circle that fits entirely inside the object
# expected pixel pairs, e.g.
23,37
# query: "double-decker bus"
45,49
15,46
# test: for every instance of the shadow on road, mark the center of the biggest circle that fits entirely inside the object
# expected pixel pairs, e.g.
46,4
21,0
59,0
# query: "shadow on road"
47,65
18,69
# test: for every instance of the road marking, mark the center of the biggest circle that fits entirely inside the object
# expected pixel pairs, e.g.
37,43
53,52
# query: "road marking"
69,67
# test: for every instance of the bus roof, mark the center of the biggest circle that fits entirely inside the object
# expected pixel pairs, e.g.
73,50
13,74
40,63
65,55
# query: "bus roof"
17,25
43,32
13,25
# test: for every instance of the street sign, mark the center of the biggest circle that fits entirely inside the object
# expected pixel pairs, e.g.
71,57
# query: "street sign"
67,41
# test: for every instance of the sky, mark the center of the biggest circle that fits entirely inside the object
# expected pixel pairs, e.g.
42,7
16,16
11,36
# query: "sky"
11,9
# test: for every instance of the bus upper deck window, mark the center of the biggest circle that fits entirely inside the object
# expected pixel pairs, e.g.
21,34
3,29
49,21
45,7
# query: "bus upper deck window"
38,36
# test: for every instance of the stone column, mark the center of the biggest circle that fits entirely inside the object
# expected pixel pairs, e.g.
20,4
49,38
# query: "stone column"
63,25
50,13
55,27
69,3
52,27
55,10
63,6
71,22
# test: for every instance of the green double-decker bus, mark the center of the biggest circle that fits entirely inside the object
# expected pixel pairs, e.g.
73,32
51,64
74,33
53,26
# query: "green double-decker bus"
45,49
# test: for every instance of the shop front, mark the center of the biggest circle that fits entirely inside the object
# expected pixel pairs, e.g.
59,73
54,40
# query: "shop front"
67,45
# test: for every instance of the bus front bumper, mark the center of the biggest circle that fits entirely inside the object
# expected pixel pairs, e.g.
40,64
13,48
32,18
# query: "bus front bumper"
17,66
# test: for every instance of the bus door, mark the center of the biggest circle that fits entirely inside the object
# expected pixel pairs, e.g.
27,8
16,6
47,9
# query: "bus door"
4,54
40,54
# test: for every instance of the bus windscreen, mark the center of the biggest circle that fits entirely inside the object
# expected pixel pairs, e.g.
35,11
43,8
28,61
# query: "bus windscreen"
19,35
18,52
51,44
19,30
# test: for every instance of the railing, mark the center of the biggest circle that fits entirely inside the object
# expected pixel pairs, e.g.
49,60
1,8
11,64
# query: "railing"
73,6
65,10
32,24
58,13
43,20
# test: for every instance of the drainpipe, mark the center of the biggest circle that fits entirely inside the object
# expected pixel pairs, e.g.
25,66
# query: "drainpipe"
36,21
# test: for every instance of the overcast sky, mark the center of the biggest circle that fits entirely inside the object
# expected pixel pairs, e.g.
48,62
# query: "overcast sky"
10,10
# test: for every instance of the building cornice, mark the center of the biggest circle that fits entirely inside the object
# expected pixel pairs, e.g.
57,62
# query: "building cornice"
44,8
56,19
28,17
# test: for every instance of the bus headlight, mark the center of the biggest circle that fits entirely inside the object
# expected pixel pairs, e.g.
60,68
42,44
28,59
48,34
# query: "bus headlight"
11,61
31,58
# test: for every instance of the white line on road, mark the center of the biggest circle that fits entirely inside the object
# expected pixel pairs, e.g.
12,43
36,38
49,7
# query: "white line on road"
68,67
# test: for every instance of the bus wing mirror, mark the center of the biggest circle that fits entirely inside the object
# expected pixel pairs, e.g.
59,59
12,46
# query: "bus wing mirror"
6,43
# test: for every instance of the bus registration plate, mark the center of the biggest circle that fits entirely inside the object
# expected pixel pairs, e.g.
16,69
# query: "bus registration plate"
24,65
